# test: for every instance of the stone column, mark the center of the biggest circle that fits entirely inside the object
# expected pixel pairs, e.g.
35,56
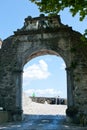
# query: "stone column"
70,86
17,112
19,89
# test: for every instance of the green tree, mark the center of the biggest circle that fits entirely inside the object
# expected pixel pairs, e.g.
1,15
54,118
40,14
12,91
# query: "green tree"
55,6
33,95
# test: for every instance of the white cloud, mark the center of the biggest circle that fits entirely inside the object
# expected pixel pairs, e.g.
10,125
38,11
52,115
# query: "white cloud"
63,66
43,92
37,71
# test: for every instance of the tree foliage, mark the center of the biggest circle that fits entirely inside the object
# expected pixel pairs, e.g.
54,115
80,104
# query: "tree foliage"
54,6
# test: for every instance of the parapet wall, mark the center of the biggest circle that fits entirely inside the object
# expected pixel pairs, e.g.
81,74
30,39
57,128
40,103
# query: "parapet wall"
49,100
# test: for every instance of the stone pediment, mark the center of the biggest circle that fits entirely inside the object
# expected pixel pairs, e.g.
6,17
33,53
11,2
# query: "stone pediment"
40,23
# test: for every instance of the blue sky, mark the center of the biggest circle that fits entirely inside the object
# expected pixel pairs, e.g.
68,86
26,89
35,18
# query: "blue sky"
44,75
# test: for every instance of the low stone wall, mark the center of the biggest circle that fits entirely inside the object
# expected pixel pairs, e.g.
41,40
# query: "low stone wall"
3,116
49,100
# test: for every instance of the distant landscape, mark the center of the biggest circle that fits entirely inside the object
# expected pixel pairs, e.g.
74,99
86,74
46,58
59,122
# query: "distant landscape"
49,100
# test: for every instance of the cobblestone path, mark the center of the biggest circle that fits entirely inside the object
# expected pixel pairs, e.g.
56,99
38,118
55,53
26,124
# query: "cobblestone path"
41,122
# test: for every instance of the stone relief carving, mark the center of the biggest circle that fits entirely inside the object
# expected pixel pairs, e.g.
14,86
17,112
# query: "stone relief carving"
39,23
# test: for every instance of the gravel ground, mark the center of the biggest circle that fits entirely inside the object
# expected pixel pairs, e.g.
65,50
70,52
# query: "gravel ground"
30,107
41,117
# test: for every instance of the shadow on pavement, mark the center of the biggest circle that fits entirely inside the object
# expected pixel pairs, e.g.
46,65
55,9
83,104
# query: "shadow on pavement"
41,122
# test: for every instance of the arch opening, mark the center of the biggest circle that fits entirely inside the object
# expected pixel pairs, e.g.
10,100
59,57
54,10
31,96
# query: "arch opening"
44,80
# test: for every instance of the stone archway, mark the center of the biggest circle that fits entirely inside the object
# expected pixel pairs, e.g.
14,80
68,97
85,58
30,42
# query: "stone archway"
39,36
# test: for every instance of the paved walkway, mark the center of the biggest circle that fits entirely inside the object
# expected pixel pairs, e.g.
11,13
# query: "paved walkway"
41,122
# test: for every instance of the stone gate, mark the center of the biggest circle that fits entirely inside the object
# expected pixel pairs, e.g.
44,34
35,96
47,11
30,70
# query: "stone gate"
40,36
